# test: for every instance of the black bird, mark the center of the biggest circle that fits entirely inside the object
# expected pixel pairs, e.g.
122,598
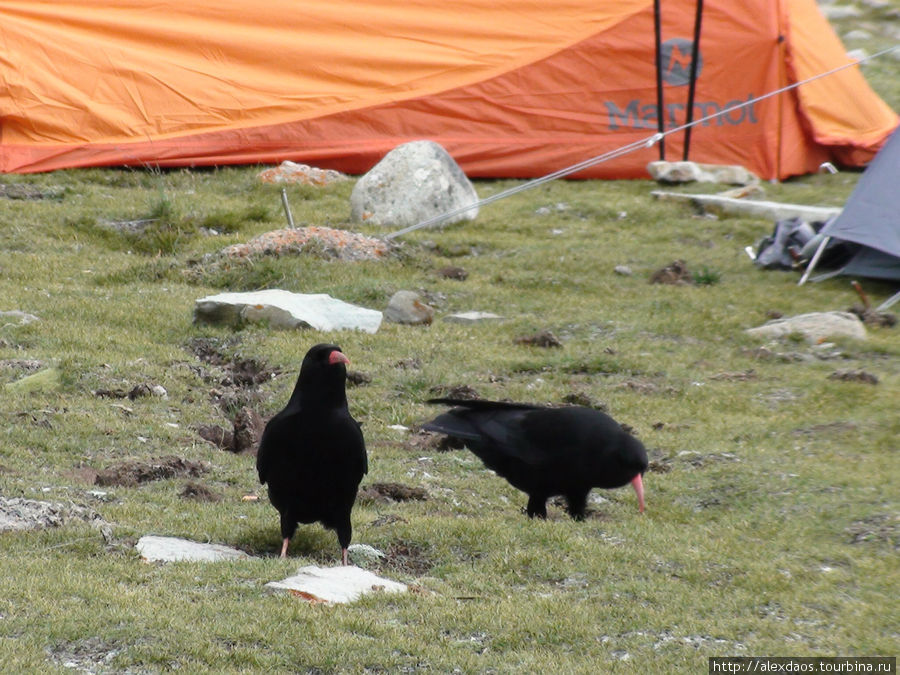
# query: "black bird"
547,451
312,454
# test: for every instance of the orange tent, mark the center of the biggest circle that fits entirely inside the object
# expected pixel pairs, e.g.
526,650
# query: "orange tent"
517,89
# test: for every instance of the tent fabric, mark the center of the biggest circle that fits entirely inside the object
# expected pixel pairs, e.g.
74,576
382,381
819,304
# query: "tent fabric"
514,89
871,217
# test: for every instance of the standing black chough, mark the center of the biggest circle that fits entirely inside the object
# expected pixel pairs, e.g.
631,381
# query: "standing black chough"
312,454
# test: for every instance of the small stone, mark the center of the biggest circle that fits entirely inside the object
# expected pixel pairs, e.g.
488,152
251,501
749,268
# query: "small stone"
623,270
406,307
452,272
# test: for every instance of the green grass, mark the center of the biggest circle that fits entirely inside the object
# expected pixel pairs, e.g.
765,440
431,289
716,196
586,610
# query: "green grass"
771,526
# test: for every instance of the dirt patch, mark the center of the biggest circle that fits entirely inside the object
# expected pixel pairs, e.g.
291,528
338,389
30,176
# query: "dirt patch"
220,437
741,376
407,558
585,400
453,272
827,429
356,378
29,192
90,655
199,492
854,376
141,390
662,463
870,317
674,274
880,528
428,441
645,387
391,492
130,474
244,435
458,391
238,371
544,338
21,365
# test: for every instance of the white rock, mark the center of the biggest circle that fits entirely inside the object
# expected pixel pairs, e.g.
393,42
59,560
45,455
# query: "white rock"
336,584
472,317
17,317
815,327
283,309
413,182
686,172
170,549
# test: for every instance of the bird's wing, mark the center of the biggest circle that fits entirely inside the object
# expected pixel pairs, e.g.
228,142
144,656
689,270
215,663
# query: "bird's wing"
494,432
276,438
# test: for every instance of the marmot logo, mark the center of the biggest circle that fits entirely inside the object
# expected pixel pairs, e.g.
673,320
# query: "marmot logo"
676,61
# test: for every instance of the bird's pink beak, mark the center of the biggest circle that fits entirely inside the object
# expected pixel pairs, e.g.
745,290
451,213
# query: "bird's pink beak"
337,357
638,484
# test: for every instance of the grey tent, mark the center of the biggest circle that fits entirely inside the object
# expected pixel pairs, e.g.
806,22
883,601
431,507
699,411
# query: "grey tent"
871,219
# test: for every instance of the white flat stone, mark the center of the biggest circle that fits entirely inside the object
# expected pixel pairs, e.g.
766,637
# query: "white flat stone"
336,584
284,309
472,317
171,549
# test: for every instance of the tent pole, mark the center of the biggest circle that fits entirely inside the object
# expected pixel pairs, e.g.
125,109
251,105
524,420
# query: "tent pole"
815,259
695,56
660,109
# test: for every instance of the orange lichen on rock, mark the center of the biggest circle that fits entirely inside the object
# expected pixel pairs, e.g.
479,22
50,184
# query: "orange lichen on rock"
332,242
290,172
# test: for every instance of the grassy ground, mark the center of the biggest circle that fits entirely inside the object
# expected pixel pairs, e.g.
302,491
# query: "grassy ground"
772,524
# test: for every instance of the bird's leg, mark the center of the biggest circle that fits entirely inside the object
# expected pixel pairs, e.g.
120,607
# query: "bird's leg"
284,547
577,502
537,506
344,557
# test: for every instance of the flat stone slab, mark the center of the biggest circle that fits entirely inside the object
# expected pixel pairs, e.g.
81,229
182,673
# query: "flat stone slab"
472,317
815,327
768,210
284,309
172,549
335,584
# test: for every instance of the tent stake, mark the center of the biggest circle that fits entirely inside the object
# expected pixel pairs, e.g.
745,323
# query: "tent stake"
287,208
815,259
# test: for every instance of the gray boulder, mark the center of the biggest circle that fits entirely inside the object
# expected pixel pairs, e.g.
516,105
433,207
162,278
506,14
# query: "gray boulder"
414,182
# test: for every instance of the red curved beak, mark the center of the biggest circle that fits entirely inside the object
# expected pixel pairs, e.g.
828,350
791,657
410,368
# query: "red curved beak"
337,357
638,484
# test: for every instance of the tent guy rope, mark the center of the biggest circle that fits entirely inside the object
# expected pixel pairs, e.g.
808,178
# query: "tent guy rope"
648,142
